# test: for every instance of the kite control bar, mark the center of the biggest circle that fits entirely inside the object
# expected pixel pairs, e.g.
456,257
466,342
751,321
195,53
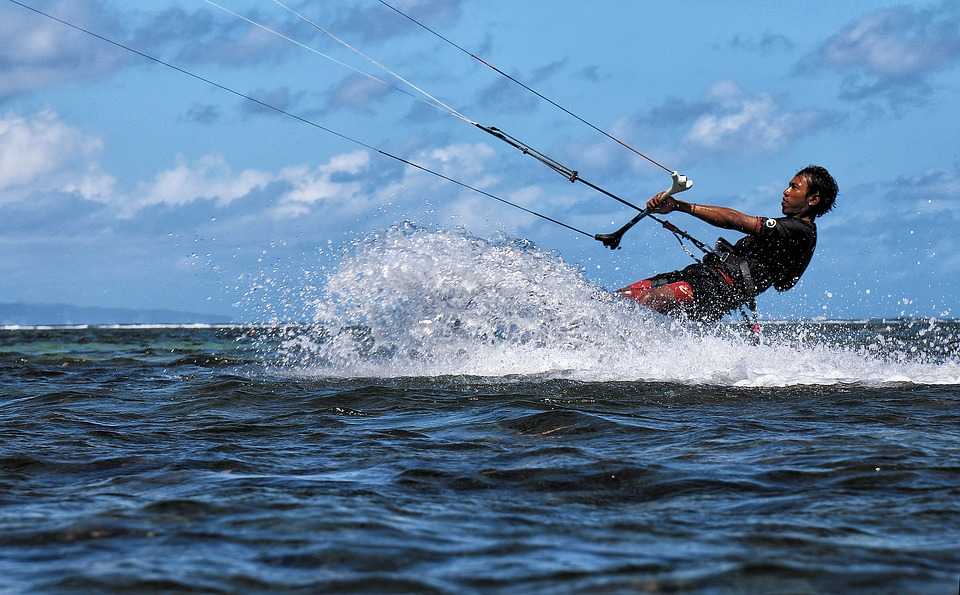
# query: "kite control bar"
612,240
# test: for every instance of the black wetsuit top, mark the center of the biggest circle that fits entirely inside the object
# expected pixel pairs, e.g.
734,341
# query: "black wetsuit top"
777,256
780,253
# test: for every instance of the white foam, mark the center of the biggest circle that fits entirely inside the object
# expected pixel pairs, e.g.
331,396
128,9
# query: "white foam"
416,303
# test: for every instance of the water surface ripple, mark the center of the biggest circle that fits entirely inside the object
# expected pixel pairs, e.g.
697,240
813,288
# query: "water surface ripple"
174,460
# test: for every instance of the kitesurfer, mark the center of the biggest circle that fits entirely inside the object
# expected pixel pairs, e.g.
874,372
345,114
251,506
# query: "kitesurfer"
775,252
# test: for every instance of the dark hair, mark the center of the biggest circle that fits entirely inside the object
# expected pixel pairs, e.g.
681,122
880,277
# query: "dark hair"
819,181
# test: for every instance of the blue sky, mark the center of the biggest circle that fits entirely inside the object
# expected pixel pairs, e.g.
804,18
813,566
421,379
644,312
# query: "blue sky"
125,184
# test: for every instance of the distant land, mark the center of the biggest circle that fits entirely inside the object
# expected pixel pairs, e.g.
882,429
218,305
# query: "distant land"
33,314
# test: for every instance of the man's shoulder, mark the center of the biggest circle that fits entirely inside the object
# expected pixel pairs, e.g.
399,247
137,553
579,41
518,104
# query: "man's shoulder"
787,229
789,224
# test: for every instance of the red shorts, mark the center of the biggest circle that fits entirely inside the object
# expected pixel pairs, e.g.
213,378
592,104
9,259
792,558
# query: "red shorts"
682,291
699,292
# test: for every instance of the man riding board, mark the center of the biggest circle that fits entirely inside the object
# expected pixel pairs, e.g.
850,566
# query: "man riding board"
774,252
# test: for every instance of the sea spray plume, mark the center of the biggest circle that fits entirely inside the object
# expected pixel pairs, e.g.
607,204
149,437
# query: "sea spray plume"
275,299
410,301
428,297
415,302
412,294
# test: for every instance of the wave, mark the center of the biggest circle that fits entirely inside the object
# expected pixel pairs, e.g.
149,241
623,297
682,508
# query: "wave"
414,302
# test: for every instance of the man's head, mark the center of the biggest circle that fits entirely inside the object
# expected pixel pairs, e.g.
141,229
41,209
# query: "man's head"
812,192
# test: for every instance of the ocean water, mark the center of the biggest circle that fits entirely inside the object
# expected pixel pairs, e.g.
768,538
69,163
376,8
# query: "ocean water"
457,415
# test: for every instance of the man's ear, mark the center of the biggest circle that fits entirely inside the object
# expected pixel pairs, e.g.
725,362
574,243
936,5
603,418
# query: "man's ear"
813,200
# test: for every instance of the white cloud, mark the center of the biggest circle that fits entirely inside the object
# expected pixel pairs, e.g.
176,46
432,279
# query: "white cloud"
467,163
891,52
350,184
211,178
314,185
736,120
726,120
340,182
40,153
92,184
470,163
895,42
37,52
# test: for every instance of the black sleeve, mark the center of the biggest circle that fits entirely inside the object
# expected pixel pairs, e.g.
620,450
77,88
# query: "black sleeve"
781,229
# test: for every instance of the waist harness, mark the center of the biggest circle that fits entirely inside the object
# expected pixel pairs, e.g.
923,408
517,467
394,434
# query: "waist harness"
725,261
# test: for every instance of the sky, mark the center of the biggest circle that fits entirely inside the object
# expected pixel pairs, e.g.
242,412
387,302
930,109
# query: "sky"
127,184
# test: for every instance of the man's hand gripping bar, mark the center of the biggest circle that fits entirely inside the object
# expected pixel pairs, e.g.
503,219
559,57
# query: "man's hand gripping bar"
612,240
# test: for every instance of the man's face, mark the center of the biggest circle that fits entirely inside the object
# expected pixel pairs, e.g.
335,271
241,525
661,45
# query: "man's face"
795,199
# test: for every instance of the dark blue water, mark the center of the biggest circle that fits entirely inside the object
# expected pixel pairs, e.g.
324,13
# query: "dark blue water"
190,460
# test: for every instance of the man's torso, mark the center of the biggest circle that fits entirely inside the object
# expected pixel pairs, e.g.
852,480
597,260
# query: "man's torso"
779,254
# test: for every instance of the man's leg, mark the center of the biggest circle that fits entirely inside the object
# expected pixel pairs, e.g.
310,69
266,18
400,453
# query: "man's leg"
663,298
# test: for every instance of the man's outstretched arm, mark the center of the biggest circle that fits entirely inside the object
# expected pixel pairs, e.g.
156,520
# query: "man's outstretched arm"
718,216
